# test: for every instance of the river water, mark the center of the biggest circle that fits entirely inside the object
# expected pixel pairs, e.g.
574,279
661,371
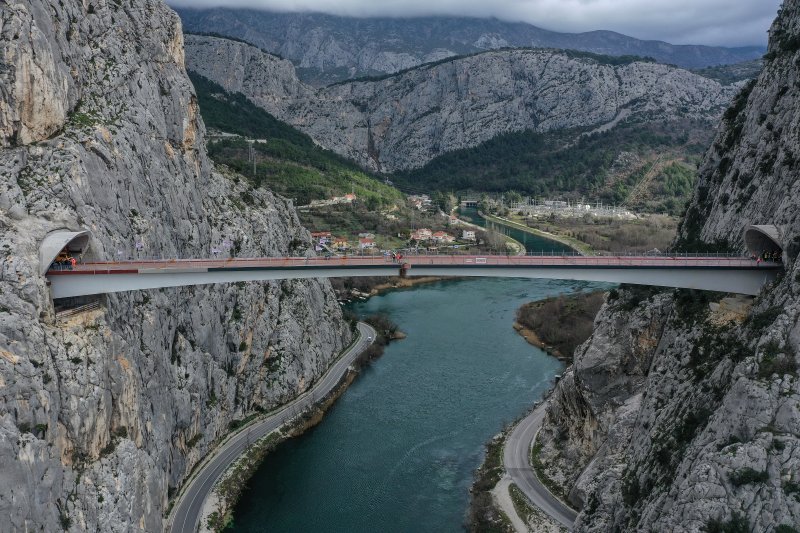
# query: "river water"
398,450
532,243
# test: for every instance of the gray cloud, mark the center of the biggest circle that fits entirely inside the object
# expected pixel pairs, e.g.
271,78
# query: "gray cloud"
712,22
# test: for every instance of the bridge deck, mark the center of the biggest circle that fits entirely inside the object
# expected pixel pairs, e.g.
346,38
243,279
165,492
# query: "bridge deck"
195,265
726,274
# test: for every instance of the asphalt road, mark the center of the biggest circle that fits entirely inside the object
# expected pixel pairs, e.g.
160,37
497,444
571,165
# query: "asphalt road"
186,514
516,459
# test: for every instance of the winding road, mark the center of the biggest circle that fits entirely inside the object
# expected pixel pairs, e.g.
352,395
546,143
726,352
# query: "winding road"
516,459
189,505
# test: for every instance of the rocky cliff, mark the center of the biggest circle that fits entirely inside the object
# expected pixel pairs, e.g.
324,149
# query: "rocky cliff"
104,413
327,48
683,415
403,121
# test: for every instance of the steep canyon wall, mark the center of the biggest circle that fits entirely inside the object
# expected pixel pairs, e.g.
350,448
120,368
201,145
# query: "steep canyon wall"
103,414
677,416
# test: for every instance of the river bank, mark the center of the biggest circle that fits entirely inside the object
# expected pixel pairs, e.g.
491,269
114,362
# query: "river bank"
217,513
398,451
556,325
559,324
201,496
569,242
497,504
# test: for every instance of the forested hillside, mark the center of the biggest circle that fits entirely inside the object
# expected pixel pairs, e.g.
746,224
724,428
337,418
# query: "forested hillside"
286,160
604,166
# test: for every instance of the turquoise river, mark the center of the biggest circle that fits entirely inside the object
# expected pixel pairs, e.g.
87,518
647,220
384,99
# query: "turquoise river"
398,450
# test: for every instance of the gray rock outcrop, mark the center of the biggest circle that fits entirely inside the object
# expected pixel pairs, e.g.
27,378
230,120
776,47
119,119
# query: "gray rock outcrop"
403,121
104,413
675,417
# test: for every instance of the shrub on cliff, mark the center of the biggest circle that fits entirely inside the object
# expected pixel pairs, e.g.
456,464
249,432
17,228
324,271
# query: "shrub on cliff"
563,322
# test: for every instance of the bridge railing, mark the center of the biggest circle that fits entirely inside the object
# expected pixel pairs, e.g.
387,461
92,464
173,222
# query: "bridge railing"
419,257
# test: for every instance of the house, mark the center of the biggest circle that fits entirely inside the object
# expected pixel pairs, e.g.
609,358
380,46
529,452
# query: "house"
422,234
454,220
366,235
442,237
366,243
420,201
346,199
340,243
322,237
468,235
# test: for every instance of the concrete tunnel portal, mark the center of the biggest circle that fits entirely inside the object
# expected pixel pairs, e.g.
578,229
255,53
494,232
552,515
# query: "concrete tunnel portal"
763,238
73,242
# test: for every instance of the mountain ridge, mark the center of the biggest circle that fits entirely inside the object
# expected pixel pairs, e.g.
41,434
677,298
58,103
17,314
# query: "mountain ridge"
404,120
328,48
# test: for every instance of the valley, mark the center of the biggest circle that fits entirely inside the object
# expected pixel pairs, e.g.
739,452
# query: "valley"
582,246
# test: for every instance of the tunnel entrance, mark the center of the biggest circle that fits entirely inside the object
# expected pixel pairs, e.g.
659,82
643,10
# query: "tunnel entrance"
61,244
56,250
763,239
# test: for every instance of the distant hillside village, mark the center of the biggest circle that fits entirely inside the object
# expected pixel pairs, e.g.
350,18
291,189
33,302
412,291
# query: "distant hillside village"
325,241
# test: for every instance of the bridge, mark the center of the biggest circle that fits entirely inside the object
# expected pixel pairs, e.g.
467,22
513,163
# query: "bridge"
712,272
724,274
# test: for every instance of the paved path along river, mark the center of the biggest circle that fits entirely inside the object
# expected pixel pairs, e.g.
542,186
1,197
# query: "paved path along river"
190,503
398,450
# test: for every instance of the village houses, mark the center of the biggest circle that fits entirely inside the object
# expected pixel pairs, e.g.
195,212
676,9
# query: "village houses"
365,243
442,237
340,243
422,234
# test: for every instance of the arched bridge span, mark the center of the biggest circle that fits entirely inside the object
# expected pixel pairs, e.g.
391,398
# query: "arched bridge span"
715,273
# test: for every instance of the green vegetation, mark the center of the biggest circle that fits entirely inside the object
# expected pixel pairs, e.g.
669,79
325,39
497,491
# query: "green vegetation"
691,306
523,507
385,332
604,59
573,165
633,295
601,59
287,162
746,476
235,479
541,473
730,74
563,322
230,38
761,320
611,235
713,345
737,524
483,515
774,362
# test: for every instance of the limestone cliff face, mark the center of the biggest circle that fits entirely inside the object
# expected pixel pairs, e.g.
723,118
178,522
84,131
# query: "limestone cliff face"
675,416
403,121
103,414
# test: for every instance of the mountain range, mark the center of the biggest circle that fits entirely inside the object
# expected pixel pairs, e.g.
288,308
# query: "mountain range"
402,121
328,48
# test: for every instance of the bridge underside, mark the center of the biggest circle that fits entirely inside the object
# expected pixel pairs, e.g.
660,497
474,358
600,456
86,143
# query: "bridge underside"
721,279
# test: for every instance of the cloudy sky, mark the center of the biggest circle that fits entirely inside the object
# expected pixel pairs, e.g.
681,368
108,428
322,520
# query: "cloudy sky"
713,22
